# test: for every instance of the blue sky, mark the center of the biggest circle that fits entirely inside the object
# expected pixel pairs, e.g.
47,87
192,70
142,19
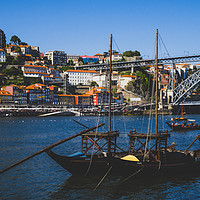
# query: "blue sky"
83,27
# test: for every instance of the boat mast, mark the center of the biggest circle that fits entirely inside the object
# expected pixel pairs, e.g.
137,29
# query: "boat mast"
110,74
156,62
182,109
157,134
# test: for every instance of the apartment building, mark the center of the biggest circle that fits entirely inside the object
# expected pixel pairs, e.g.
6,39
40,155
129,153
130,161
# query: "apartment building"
80,77
2,39
72,58
2,56
43,72
58,58
18,93
5,97
38,94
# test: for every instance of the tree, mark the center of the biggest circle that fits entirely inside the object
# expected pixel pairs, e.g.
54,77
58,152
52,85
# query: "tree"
93,84
131,53
80,59
15,40
23,43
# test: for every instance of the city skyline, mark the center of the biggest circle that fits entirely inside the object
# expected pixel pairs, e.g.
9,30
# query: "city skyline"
84,27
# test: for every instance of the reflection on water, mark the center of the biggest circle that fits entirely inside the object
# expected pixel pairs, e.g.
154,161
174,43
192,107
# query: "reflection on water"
41,178
111,188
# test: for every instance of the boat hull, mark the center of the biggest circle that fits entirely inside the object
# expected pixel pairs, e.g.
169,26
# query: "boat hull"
115,166
183,128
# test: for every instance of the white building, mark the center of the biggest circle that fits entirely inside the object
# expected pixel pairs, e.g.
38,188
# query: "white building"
45,73
116,57
57,57
101,79
124,80
77,77
2,56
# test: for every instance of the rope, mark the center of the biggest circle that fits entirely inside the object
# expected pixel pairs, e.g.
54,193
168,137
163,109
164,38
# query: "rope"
131,175
92,154
102,179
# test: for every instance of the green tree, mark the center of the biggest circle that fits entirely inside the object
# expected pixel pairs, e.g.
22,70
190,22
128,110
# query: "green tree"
23,43
131,53
93,84
15,40
80,59
142,84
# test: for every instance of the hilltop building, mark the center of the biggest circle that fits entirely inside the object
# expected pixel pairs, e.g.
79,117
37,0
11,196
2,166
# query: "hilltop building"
2,39
72,58
58,58
90,59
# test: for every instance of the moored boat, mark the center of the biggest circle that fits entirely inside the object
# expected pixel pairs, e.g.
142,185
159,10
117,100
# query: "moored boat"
147,154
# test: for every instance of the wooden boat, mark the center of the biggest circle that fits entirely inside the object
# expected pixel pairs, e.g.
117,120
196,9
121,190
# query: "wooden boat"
182,123
148,154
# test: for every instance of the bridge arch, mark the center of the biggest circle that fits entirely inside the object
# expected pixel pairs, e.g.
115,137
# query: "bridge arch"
185,89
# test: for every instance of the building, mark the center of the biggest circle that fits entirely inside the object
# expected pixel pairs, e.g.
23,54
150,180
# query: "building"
71,58
117,57
124,80
58,58
100,96
43,72
80,77
38,94
83,100
67,100
5,97
2,40
2,56
18,93
90,59
53,94
102,79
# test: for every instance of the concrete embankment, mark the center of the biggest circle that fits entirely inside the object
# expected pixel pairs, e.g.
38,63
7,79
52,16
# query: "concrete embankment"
26,112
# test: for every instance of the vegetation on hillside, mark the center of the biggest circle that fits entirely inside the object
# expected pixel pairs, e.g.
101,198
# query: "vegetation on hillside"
15,76
142,84
131,53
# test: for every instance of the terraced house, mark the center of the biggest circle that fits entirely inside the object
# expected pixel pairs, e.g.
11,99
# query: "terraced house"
18,93
5,97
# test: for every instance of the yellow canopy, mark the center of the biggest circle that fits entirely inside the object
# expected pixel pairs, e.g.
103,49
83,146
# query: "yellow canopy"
130,158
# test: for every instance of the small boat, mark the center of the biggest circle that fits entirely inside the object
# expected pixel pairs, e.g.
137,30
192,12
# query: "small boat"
182,123
147,154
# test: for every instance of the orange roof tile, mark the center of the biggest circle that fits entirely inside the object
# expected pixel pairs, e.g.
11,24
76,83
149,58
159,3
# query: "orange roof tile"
82,71
132,76
3,92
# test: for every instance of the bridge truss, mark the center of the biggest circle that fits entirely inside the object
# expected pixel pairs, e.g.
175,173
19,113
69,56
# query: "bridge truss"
186,88
139,63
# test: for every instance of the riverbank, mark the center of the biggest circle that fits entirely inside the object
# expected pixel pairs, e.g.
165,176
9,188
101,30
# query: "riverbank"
30,112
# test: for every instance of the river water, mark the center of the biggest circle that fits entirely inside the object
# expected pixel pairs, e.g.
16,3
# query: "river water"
42,178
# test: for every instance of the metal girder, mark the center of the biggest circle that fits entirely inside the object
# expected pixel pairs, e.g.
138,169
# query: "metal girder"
185,89
139,63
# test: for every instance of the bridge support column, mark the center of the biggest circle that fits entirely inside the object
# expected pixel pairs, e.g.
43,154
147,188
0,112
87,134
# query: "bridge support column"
132,70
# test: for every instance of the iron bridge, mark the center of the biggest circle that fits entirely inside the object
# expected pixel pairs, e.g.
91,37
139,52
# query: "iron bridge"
139,63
